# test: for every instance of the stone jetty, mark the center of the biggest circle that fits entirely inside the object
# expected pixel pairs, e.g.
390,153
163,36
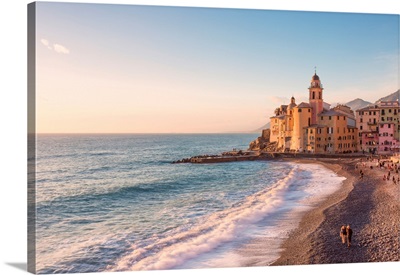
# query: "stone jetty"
252,156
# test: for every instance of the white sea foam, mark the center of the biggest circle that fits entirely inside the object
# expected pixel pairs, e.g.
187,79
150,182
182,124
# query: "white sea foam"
311,184
198,246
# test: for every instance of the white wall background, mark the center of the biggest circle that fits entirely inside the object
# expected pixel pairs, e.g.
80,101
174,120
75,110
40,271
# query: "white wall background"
13,101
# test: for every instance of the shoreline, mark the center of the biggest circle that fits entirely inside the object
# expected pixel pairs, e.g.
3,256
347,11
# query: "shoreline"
370,205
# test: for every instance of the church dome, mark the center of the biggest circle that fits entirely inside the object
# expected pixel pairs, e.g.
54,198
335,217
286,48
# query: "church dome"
315,77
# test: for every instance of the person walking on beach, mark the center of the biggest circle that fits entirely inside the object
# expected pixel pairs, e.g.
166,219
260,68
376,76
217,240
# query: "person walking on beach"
343,233
349,233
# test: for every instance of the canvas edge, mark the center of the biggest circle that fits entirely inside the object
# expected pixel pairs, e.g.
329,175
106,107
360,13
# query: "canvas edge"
31,138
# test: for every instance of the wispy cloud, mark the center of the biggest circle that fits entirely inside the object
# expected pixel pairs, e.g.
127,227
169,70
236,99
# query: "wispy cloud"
45,42
56,47
60,49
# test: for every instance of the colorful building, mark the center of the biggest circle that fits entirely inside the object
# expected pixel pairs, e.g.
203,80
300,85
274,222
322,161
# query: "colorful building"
379,127
368,126
313,126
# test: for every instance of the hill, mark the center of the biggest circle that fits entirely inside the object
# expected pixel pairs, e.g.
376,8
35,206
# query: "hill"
261,128
357,103
392,97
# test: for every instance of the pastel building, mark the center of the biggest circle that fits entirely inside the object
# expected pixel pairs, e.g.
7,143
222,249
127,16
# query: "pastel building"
313,126
368,126
379,127
389,126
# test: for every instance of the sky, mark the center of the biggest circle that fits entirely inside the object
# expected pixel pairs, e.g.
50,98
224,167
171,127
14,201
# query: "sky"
103,68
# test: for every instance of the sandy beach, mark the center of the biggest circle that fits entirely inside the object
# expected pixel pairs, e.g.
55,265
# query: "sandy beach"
370,205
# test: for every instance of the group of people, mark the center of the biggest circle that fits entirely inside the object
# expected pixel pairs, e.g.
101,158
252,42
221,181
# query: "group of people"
345,233
393,179
392,170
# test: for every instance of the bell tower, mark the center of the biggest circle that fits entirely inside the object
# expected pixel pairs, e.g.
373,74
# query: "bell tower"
315,97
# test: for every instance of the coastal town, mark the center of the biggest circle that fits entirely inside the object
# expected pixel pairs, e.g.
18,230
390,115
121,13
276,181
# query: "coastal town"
317,129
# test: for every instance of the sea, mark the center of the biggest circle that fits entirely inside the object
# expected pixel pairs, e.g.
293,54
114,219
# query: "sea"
116,202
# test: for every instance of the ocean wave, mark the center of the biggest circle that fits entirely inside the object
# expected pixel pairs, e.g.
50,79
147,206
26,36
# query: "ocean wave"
174,249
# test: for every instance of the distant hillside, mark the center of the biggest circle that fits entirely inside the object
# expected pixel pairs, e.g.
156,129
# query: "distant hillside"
392,97
360,103
261,128
357,103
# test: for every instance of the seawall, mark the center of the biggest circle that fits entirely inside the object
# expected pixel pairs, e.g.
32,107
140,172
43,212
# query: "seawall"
252,156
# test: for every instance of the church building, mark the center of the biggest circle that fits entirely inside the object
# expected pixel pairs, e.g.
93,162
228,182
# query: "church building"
313,126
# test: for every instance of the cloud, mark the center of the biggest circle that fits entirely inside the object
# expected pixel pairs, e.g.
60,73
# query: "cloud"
60,49
46,43
56,47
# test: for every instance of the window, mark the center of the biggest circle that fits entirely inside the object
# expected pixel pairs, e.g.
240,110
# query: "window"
338,117
361,127
313,95
322,117
320,96
361,120
390,110
330,117
309,110
299,110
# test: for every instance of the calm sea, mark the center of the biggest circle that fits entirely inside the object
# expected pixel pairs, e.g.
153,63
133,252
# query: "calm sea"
117,203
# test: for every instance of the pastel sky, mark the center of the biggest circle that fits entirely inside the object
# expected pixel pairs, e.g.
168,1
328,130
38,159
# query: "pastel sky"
147,69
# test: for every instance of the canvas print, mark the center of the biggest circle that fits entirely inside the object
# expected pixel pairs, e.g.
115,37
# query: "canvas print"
165,138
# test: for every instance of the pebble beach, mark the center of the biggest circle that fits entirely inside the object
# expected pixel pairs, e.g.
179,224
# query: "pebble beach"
369,204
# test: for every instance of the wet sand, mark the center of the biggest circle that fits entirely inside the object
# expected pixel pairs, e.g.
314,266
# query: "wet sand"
370,205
